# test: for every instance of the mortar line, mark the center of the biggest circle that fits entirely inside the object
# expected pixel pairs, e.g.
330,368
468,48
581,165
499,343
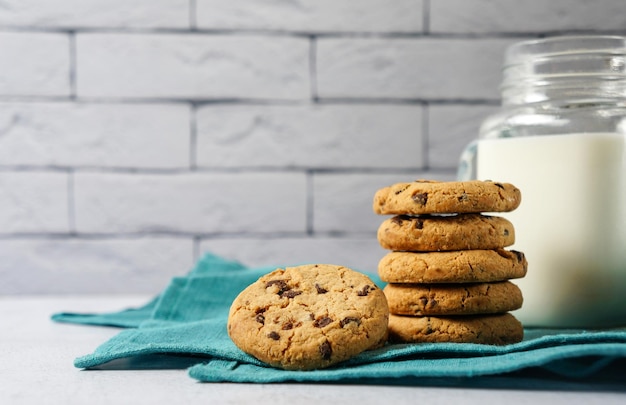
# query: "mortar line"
193,137
425,135
313,69
195,251
310,203
71,206
307,34
426,17
73,64
193,22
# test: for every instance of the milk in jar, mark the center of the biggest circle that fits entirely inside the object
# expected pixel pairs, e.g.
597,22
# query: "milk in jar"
571,224
560,137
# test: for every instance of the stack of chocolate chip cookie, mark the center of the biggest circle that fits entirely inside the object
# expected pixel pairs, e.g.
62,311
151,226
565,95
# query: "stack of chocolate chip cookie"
448,272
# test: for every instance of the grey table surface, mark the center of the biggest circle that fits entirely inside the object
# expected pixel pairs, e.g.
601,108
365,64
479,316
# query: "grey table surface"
37,367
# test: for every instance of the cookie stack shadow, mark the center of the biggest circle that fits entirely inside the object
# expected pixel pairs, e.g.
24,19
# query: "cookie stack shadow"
448,272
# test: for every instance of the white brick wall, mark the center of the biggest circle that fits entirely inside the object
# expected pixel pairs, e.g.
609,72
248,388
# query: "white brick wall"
33,202
409,68
192,66
34,64
450,128
513,16
192,203
293,251
91,265
105,135
73,14
312,16
137,134
310,136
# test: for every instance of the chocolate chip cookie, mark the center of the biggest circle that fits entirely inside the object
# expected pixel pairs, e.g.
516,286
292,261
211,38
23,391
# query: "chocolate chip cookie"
500,329
462,266
433,197
453,299
309,317
432,233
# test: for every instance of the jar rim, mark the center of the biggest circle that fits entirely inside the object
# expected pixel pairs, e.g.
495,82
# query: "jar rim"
564,45
583,66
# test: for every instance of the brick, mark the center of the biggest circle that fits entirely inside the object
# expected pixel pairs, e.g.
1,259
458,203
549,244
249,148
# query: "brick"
312,15
92,266
200,203
450,129
413,68
96,13
103,135
343,201
370,136
530,16
192,66
357,252
34,64
33,202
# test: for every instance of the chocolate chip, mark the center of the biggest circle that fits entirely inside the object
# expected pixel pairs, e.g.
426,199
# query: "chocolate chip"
397,220
284,290
288,325
519,255
364,292
462,197
499,185
325,350
424,301
420,198
401,190
260,318
506,232
281,284
349,319
320,290
290,293
273,335
321,322
419,223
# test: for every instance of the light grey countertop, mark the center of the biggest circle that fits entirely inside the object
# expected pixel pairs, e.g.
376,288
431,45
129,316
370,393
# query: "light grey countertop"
36,367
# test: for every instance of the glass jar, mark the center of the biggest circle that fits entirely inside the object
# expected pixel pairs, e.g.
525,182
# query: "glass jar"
560,137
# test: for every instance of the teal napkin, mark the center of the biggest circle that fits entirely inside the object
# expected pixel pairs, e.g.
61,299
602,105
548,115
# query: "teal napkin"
185,326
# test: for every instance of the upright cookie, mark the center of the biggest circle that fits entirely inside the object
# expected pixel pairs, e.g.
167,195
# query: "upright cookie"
444,233
453,299
459,266
432,197
309,317
500,329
